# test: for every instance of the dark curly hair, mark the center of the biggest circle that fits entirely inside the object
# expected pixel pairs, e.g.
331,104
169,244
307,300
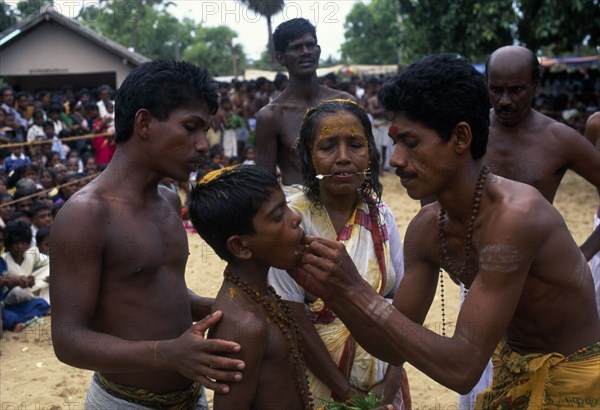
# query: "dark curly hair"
291,30
225,202
161,86
439,91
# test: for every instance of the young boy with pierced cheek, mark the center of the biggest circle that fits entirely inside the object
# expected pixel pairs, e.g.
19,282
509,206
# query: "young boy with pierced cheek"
241,212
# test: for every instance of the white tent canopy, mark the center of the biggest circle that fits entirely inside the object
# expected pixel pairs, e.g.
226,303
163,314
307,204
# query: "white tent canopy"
360,70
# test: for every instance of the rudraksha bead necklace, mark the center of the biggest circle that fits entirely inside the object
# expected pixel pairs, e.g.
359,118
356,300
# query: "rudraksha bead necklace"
460,275
280,314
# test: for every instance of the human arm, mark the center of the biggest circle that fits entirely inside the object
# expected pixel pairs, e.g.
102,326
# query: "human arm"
225,118
254,342
592,132
591,246
18,274
99,126
77,259
317,357
40,260
40,268
456,361
201,306
389,386
396,252
584,159
13,281
266,138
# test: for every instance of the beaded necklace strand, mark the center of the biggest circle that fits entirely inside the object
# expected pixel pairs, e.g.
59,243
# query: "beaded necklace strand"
280,315
461,275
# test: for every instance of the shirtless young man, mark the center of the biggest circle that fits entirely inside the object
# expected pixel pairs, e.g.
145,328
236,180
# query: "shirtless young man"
278,123
119,250
530,290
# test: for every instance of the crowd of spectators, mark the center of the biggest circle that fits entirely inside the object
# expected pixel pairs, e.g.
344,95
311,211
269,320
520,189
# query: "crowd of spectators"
569,96
51,144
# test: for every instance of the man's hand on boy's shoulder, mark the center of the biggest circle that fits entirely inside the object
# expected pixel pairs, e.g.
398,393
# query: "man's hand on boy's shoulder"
201,359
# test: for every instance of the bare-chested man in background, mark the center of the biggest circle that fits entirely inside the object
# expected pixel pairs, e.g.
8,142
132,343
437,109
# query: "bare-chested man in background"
524,144
278,123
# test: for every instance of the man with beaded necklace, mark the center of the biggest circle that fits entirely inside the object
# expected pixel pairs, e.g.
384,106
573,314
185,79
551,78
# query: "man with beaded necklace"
530,301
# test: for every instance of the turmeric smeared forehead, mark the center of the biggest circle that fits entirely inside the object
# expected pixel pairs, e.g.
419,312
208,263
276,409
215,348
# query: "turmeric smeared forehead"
339,124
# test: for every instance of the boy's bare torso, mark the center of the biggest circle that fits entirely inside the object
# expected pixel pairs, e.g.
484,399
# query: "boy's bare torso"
274,376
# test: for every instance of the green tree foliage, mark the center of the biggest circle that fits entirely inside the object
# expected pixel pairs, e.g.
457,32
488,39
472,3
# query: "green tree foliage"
26,8
471,28
267,9
561,26
136,25
132,13
7,16
160,35
212,48
371,33
11,14
474,28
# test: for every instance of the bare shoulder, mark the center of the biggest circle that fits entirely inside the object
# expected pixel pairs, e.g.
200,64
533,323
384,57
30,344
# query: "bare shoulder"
87,206
327,93
241,321
422,232
556,128
518,210
592,128
269,111
426,217
268,118
171,197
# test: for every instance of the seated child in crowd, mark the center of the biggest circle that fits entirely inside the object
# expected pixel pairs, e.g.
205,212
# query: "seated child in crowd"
25,261
15,314
17,304
241,212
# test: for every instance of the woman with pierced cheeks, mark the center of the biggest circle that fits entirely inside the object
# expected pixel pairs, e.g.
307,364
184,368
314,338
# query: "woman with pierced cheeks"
341,201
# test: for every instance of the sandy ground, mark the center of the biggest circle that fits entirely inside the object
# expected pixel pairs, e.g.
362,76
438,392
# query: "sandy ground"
32,378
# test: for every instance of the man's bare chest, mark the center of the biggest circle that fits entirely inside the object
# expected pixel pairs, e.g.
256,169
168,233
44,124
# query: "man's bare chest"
524,161
139,241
